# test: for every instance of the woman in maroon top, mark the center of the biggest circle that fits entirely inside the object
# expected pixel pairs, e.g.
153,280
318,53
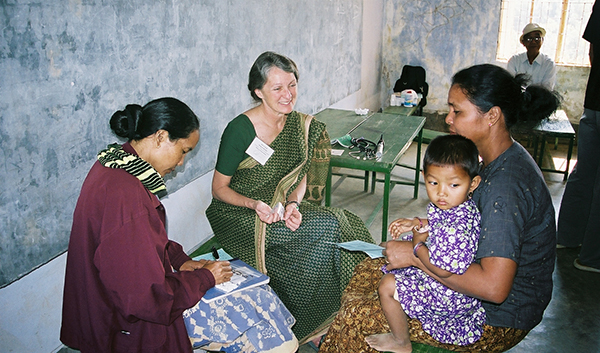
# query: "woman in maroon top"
126,283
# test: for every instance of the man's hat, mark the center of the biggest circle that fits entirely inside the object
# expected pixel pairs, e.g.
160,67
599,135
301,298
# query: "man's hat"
532,27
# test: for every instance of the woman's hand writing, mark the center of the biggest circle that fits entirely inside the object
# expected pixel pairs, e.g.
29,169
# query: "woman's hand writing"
292,217
191,265
221,270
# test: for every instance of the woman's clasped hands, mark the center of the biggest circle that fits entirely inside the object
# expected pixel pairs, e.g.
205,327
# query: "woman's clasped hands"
291,215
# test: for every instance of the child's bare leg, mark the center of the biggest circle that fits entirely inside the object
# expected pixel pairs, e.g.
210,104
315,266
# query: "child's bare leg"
398,340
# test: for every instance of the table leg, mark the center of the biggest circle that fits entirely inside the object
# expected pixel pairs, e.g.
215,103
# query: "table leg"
542,147
386,204
535,147
569,153
373,180
366,182
328,188
418,164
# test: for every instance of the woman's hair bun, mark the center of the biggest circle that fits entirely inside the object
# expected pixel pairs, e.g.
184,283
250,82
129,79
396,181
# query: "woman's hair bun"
124,122
538,103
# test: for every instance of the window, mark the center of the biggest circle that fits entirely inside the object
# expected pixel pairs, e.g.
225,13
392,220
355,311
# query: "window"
563,20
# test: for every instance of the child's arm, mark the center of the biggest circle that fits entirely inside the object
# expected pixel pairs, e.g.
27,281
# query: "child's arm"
404,225
421,251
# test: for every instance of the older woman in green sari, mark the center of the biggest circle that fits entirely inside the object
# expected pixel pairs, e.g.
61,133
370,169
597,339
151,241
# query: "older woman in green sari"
272,154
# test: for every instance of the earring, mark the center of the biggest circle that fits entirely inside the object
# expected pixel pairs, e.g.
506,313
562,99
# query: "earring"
470,195
490,124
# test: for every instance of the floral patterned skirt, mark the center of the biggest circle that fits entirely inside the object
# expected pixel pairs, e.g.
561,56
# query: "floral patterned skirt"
361,315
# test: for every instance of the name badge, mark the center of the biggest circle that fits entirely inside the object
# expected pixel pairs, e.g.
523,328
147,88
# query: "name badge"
260,151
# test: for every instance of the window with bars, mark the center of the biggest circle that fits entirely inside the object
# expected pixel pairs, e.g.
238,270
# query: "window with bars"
563,20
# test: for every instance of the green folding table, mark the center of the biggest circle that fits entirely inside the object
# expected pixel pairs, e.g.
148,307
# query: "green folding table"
399,132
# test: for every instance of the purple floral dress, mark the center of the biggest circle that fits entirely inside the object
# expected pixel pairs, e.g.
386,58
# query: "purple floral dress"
448,316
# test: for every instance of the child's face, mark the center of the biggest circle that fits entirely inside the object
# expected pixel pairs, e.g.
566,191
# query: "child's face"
448,186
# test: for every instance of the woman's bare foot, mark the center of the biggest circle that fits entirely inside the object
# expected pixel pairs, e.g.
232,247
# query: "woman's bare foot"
386,342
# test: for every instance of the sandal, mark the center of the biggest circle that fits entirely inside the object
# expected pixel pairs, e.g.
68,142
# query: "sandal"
579,266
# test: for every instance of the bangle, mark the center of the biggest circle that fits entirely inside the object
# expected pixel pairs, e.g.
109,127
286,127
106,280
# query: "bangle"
416,248
420,222
287,203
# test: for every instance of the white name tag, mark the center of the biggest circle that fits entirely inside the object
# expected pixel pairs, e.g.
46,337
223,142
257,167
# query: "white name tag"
259,151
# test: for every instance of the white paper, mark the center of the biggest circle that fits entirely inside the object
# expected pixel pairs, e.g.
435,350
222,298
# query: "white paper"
260,151
373,250
240,275
336,152
278,208
232,284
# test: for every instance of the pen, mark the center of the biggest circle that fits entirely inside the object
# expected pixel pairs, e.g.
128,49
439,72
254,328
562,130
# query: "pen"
215,253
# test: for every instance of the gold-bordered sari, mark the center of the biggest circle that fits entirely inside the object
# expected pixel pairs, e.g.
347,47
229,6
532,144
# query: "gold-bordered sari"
307,270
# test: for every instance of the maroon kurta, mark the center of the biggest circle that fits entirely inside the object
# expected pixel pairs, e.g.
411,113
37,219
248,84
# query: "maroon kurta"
121,294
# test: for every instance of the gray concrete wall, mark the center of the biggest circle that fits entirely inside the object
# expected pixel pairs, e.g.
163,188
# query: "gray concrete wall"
571,82
66,66
369,94
445,36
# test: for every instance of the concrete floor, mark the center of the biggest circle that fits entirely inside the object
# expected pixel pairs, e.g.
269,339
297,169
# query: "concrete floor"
571,322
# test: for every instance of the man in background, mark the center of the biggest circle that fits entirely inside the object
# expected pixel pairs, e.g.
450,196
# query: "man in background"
538,65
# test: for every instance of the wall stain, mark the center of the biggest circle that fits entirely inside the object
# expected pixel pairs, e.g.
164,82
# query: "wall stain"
67,41
51,164
22,46
80,101
29,142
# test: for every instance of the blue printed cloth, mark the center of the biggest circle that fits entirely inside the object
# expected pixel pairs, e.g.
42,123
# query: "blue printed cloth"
253,320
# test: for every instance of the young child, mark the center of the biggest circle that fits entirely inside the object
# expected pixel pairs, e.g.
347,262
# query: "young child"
448,239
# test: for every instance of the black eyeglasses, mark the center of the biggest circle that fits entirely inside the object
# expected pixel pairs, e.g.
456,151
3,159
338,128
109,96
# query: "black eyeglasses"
534,39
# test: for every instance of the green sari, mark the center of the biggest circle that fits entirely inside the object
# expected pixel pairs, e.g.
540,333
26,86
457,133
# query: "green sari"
308,272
